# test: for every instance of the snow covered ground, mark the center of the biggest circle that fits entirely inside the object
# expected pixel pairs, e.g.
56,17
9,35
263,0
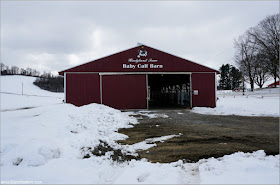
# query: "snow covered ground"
258,103
44,144
33,96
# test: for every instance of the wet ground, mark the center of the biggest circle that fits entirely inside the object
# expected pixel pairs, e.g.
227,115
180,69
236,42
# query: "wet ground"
203,136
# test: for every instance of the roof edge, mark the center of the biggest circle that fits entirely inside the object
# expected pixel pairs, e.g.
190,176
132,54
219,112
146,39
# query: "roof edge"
100,58
138,44
184,59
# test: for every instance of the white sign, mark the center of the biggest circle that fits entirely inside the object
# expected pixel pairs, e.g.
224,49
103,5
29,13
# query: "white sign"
142,66
142,53
139,63
141,60
195,92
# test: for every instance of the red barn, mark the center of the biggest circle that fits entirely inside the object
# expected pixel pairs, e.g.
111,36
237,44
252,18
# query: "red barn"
141,77
273,84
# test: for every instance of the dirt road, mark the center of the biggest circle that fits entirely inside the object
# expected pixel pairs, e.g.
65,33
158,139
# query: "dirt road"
203,136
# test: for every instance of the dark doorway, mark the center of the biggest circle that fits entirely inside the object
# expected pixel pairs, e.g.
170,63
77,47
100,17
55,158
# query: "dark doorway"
169,90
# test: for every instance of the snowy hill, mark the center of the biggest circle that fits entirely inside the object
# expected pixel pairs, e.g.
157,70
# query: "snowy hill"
13,84
33,96
48,141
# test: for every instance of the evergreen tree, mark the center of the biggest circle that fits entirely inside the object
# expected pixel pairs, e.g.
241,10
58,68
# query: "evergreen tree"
235,77
225,82
230,77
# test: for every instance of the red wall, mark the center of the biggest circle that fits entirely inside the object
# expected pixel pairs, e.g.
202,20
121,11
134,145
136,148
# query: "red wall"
114,63
82,89
124,91
205,84
129,91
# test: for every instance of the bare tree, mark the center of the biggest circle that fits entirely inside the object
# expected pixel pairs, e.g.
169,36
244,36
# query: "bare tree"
22,71
245,57
262,71
15,70
2,67
35,72
266,36
7,70
28,71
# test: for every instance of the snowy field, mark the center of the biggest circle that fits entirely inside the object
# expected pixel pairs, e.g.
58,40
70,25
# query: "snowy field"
258,103
33,96
44,144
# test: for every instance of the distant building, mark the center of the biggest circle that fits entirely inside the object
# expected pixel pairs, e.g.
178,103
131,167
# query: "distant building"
141,77
272,85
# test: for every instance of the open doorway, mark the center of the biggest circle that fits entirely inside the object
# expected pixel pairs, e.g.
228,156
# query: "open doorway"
169,90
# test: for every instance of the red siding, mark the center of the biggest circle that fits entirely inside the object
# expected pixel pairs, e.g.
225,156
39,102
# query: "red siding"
129,91
272,85
205,84
82,89
124,91
114,63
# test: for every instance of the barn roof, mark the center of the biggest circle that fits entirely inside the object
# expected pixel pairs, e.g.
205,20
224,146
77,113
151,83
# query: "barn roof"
141,58
271,85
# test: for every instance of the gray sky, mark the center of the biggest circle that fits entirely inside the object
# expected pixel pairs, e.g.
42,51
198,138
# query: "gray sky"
54,35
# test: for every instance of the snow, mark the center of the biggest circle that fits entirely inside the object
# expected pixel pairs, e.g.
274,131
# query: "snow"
14,101
33,96
148,143
231,168
13,84
43,143
161,139
258,103
150,114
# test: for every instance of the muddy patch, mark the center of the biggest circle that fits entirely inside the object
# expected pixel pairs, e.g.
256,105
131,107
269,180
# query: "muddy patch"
103,148
204,136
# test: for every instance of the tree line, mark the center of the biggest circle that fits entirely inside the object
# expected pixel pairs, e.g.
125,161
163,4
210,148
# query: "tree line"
257,52
14,70
46,81
49,82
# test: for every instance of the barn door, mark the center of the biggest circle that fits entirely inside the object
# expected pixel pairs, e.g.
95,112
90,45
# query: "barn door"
82,88
203,87
124,91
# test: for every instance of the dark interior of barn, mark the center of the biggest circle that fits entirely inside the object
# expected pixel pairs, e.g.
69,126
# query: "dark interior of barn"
169,90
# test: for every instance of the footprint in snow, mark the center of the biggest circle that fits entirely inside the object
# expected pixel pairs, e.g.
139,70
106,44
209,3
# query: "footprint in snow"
143,177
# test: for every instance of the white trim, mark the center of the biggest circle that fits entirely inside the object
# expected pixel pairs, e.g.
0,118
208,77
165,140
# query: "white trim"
100,87
101,57
131,73
147,89
203,72
181,57
215,89
65,87
124,73
136,47
82,72
191,91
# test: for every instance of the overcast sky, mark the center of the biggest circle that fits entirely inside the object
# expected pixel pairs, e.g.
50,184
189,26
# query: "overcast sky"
54,35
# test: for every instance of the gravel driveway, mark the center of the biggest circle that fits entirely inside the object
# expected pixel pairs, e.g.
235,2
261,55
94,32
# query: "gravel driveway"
203,136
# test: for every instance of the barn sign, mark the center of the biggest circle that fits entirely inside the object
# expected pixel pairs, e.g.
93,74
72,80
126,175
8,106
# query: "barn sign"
138,63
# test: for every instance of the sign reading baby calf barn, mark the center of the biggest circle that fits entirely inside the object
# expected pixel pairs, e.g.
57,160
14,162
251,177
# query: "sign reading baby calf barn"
138,63
141,77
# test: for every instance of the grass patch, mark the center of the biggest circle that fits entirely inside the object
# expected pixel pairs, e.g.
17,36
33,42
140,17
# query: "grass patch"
204,136
103,148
